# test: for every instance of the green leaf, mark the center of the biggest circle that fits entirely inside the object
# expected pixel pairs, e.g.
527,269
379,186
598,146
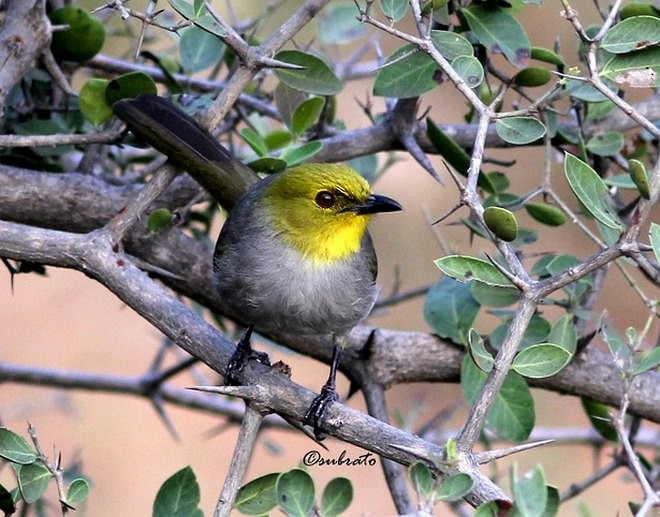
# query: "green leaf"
159,219
299,154
295,493
408,72
654,237
631,34
519,130
547,56
546,214
564,334
531,77
33,480
307,114
501,222
639,177
277,139
606,144
14,448
451,45
481,357
338,24
489,509
315,78
178,496
255,141
530,493
287,99
553,501
590,190
470,70
267,165
492,296
599,416
422,480
337,497
512,414
464,269
537,332
199,49
395,10
499,32
92,102
583,91
620,181
649,361
455,487
77,491
259,496
129,85
639,69
202,19
450,310
541,361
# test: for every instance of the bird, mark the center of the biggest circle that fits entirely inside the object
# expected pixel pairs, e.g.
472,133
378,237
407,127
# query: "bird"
294,255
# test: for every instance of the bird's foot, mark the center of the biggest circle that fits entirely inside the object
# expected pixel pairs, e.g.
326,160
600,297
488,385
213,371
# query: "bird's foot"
316,412
243,353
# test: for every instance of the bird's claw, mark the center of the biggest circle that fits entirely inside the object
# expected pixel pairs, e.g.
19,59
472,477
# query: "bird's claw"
243,353
316,412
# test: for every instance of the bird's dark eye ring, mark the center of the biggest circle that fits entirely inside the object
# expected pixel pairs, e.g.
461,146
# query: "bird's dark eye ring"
325,199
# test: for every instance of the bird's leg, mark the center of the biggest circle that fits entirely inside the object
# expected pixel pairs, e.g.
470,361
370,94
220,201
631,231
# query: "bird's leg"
243,353
328,395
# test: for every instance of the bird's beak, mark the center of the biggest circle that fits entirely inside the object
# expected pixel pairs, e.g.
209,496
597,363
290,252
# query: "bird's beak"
375,204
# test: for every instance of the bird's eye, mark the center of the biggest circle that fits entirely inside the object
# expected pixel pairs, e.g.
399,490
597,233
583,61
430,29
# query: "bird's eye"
326,199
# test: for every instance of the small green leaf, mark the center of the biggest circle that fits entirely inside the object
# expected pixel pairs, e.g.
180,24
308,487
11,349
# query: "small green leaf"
301,153
455,487
159,219
450,310
408,72
92,101
338,24
395,10
600,418
307,114
590,190
199,49
277,139
654,237
201,18
129,85
512,414
470,70
464,269
541,361
77,491
533,76
640,178
519,130
14,448
315,77
259,496
451,44
422,480
638,9
605,144
491,296
621,181
178,496
489,509
295,493
337,497
498,31
547,56
564,334
649,361
530,493
481,357
255,141
546,214
33,480
501,222
631,34
267,165
84,38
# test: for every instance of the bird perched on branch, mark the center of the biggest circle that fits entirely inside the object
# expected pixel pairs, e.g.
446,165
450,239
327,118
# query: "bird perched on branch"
294,255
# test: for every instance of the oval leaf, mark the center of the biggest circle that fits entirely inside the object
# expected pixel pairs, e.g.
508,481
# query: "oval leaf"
530,492
481,357
422,480
450,310
519,130
533,76
600,418
464,268
451,45
84,38
129,85
470,70
14,448
395,10
77,491
639,69
501,222
92,102
408,72
639,177
259,496
541,361
178,496
337,497
307,114
295,493
546,214
631,34
33,481
297,155
315,77
455,487
606,144
199,49
590,190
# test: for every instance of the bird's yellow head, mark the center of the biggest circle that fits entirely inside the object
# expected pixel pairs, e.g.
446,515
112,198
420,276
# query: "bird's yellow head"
323,210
